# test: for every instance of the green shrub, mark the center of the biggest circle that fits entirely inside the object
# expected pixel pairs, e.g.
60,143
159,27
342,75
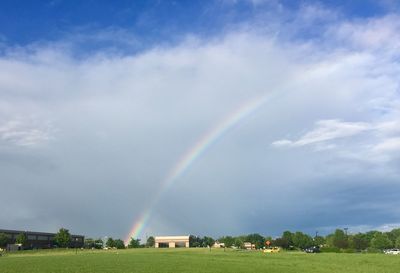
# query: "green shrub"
349,250
373,250
327,249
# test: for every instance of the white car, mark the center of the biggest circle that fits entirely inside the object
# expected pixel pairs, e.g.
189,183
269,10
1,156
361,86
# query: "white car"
394,251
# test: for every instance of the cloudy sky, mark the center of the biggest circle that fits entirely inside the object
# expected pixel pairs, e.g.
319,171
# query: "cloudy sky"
277,116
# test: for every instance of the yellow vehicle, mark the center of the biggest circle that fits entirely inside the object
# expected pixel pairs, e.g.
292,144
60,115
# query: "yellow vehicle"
274,249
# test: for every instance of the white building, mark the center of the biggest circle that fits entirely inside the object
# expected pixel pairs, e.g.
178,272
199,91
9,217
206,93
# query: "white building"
171,241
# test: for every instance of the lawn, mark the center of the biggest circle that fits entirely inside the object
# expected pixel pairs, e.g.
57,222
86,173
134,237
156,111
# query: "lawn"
193,260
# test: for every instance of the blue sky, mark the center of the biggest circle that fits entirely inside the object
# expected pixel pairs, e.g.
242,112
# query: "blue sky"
100,101
26,22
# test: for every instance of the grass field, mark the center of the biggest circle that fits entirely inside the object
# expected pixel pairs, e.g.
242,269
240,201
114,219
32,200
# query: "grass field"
193,260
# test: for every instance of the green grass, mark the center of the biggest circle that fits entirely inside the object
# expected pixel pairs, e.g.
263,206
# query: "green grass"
193,260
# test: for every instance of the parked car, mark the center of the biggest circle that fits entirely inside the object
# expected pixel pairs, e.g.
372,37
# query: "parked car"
272,250
394,251
313,249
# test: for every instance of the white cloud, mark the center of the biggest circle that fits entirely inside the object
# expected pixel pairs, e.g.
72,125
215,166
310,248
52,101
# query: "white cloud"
23,132
327,130
373,142
283,142
124,120
388,127
388,145
378,34
312,13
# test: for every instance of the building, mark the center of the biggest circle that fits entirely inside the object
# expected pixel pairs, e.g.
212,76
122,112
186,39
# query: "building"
249,246
171,241
40,239
218,245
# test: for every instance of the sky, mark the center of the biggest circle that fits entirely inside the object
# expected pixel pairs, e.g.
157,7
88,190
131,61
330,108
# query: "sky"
226,117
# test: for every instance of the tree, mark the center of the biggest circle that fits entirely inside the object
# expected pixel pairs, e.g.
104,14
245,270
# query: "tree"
21,239
98,243
339,239
381,241
89,243
229,241
134,243
281,242
397,242
150,242
288,237
359,241
319,240
110,242
119,244
393,235
369,235
256,239
239,242
63,238
195,241
93,243
208,241
302,240
3,240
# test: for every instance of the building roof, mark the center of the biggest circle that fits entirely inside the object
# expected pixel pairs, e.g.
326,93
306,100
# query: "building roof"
170,238
32,232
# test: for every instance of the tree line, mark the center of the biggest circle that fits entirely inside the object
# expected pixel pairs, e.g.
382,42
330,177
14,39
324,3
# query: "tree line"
117,243
338,241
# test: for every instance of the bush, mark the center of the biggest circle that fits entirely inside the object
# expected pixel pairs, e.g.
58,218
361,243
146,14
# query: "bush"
349,250
326,249
373,250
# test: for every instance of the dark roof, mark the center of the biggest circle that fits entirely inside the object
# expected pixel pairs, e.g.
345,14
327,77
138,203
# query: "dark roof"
32,232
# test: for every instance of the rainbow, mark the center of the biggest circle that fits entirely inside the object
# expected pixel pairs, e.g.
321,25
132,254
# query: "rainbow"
194,153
